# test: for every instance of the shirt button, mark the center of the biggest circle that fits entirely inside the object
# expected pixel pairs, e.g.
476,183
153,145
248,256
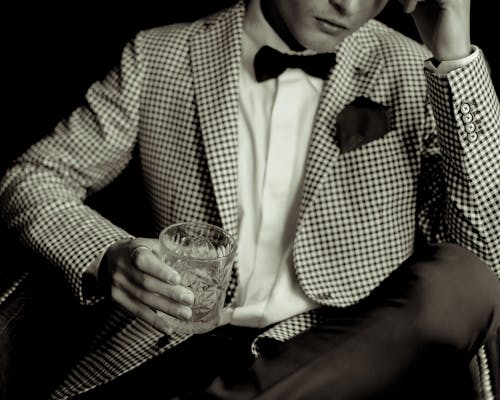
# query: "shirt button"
467,118
465,108
472,137
470,127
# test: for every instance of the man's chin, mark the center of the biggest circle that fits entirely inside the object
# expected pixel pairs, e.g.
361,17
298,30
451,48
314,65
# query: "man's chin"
325,45
320,41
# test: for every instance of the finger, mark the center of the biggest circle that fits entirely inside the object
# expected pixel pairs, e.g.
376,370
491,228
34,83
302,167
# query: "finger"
134,254
155,301
149,283
140,310
409,6
148,262
152,244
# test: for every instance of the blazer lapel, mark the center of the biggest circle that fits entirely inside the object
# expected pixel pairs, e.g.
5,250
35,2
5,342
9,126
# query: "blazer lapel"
215,58
356,69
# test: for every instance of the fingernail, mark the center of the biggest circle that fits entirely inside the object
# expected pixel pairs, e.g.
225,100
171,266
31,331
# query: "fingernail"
185,313
188,298
175,279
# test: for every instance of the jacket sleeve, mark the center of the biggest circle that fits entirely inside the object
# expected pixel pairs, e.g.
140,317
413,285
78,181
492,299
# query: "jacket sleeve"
459,183
42,194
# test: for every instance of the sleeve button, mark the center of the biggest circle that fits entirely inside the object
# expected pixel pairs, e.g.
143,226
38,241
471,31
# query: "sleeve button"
472,137
467,118
470,127
465,108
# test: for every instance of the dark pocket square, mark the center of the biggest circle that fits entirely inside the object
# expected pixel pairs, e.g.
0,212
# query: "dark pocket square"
361,122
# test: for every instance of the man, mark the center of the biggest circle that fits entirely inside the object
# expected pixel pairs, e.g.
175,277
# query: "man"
334,184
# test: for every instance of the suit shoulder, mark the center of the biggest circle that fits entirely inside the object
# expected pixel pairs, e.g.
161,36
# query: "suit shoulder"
401,78
166,34
179,31
395,47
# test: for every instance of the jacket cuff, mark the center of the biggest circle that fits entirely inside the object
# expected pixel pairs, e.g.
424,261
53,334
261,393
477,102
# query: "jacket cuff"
445,67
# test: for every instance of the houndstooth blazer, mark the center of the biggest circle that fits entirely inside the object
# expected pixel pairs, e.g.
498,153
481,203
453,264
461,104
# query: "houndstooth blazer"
434,173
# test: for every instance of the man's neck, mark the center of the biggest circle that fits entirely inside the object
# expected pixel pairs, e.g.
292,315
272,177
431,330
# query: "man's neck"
274,19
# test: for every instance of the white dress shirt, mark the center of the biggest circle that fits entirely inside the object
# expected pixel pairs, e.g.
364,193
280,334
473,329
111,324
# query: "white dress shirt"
275,124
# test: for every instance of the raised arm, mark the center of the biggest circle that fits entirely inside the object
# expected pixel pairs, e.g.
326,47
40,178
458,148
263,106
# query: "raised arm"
460,165
444,26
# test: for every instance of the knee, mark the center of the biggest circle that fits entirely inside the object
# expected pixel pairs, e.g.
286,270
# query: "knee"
455,272
458,296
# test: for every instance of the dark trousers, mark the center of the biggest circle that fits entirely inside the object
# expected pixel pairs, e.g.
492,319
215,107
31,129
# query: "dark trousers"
412,338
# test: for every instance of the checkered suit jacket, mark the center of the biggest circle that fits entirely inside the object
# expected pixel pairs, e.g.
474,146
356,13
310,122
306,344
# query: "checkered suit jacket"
175,96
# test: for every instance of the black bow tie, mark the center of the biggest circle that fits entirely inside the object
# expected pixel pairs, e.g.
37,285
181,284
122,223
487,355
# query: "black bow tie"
270,63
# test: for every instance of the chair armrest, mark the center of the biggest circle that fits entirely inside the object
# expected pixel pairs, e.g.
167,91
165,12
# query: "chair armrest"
485,370
11,287
493,354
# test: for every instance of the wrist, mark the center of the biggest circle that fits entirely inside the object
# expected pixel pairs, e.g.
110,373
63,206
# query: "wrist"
103,270
444,67
452,54
444,28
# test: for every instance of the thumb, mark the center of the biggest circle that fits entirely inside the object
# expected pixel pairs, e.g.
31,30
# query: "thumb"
409,6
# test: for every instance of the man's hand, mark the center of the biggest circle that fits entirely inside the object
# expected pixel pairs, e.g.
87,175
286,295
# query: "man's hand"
444,26
142,283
